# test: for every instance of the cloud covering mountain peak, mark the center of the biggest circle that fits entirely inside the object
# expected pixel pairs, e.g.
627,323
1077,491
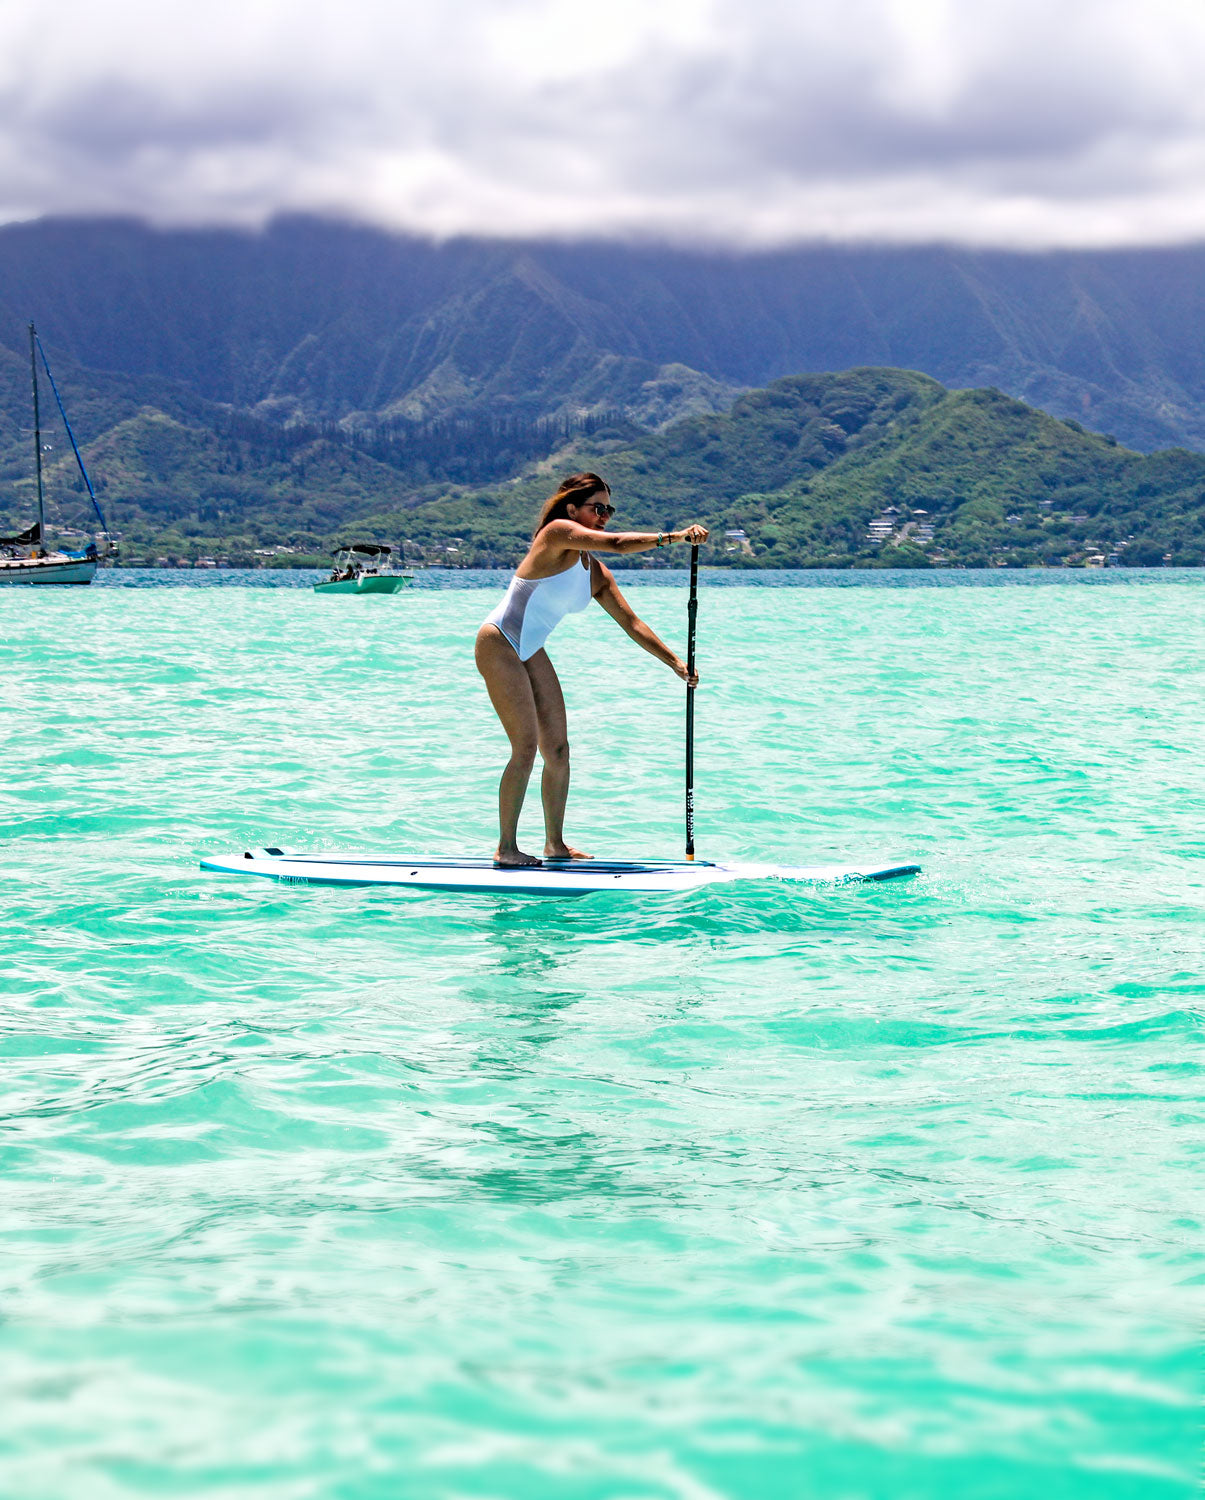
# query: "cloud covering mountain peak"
1006,122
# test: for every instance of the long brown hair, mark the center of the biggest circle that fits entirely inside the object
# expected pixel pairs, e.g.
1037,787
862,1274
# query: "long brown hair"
574,490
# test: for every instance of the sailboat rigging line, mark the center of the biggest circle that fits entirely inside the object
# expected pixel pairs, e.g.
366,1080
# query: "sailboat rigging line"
79,458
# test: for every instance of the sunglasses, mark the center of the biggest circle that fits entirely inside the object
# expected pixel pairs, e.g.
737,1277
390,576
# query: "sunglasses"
599,508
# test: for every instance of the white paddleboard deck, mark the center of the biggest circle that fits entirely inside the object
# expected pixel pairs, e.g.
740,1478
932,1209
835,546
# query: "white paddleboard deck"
570,877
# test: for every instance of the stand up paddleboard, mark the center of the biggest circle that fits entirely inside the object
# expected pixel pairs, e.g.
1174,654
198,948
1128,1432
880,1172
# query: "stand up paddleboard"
562,877
569,877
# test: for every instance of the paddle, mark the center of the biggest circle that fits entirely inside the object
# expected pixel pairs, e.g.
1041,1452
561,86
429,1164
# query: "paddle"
692,609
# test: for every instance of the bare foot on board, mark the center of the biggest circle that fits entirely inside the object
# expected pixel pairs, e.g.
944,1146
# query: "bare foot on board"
514,859
564,851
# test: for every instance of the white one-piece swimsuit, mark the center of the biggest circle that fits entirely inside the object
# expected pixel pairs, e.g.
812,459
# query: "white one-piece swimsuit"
532,608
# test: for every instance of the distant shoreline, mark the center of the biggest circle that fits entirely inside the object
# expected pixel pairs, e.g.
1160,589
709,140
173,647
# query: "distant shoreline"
444,579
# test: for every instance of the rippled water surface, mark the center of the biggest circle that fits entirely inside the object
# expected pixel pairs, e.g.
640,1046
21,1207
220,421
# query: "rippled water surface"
760,1192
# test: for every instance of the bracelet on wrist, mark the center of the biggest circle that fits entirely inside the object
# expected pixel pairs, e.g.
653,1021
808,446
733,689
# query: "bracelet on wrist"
661,539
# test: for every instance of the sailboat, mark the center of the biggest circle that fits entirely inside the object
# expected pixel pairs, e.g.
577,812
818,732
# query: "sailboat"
26,557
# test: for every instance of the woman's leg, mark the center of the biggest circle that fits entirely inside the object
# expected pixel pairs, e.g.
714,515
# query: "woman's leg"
511,693
554,748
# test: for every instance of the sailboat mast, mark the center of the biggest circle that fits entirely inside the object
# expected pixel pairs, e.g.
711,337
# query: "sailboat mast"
37,436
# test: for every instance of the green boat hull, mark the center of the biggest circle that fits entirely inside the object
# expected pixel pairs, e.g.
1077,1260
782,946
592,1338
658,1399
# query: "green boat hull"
389,583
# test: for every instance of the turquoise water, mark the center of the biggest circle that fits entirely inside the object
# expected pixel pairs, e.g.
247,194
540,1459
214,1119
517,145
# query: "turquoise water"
760,1192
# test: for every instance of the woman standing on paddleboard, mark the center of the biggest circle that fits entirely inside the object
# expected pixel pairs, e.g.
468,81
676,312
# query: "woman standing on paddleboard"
559,576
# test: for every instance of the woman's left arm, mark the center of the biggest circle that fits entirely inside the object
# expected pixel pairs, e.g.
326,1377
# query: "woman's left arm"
607,593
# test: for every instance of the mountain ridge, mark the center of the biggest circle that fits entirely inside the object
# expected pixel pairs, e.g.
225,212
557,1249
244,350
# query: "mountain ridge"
314,320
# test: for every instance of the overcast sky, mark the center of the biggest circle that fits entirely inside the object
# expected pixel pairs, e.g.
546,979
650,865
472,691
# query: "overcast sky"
1027,123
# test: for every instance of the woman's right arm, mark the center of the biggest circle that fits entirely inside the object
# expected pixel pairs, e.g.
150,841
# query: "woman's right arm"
571,537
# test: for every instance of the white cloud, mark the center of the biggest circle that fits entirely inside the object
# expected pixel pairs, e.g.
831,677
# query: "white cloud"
743,122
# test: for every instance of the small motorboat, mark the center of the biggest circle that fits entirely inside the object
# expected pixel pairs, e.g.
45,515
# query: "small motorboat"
363,568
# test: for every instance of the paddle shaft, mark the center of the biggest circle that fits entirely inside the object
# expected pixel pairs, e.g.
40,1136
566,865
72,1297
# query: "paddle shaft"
692,610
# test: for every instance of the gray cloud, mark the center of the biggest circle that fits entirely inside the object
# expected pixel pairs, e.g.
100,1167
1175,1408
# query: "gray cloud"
742,122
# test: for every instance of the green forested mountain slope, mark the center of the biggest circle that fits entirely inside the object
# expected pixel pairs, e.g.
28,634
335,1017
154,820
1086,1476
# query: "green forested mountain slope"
870,467
803,467
1001,481
181,476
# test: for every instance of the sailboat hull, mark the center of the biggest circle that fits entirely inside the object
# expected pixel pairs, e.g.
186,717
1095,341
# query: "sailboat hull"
47,569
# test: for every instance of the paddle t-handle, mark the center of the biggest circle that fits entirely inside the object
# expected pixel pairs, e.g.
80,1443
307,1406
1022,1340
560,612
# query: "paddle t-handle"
692,610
